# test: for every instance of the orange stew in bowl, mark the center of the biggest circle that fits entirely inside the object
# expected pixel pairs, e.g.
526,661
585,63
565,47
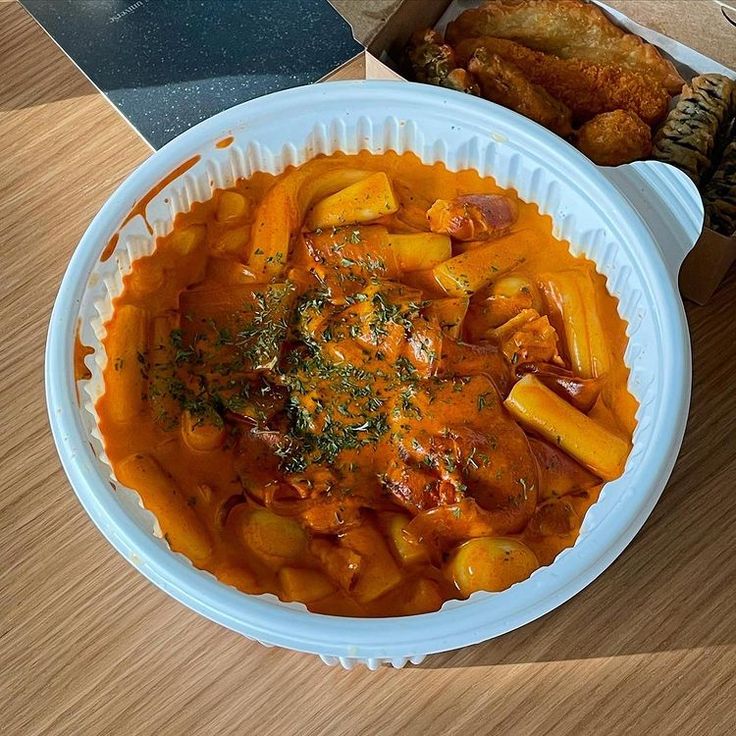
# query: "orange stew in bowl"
366,384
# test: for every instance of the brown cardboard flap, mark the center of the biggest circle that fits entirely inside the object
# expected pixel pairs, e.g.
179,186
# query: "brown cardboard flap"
706,265
352,69
376,69
406,19
362,66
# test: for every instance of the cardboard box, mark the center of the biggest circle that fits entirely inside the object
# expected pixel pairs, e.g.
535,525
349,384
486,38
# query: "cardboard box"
159,104
713,255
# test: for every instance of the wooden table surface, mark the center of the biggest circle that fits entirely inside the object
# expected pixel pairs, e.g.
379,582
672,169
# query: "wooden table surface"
87,646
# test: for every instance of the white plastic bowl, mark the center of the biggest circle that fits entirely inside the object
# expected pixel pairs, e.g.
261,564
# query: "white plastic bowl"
636,222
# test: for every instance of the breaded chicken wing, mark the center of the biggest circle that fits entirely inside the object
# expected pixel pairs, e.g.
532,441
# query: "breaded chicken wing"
504,83
432,61
588,89
614,138
570,29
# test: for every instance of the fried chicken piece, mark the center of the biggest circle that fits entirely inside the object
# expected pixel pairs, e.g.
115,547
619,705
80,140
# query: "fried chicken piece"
587,89
614,138
506,84
696,126
473,216
433,62
461,81
436,471
570,29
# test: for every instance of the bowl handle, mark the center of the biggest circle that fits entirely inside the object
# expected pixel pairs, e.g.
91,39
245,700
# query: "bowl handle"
668,202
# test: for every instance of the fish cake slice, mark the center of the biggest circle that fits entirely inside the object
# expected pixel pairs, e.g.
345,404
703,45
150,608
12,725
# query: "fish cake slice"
570,29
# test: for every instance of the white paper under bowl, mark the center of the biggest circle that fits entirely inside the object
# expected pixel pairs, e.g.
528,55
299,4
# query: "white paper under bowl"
620,218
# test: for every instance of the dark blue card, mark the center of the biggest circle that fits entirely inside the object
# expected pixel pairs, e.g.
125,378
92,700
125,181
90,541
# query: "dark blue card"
168,64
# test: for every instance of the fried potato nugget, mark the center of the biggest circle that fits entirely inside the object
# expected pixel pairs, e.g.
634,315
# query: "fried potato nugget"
507,85
614,138
588,89
570,29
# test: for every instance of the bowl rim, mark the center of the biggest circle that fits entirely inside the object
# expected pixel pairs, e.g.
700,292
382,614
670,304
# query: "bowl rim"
263,617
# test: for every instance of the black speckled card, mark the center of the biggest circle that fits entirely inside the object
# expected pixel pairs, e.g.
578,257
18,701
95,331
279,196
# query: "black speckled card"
168,64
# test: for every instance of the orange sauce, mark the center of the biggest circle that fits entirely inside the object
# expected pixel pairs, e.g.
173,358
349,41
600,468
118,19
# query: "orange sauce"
81,372
334,433
110,247
139,208
225,142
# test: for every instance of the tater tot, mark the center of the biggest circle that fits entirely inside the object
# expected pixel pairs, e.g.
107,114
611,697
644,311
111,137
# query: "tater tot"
490,563
201,434
231,207
304,585
185,241
272,536
614,138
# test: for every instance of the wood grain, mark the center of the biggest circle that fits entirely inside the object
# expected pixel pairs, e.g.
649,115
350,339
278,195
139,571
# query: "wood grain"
87,646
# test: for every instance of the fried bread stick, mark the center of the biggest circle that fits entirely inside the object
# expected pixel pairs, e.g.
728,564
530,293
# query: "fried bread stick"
506,84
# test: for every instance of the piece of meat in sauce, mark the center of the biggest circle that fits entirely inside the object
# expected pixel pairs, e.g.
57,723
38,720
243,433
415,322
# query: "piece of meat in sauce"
473,216
457,443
